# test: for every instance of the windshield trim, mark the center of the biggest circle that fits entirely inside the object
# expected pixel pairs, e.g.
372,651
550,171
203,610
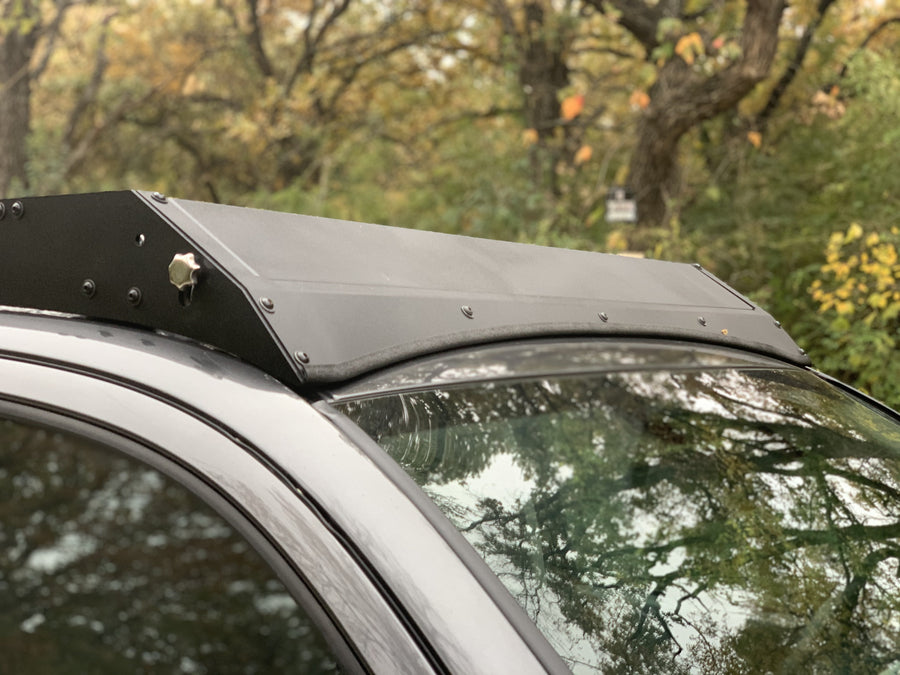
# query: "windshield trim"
507,362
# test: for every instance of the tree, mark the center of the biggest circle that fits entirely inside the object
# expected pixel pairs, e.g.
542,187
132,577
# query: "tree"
22,26
689,87
230,96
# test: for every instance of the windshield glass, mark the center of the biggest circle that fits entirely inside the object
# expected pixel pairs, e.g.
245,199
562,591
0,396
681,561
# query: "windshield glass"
727,517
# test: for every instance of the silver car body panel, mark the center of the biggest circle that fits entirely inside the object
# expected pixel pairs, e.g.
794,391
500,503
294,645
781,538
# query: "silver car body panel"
143,383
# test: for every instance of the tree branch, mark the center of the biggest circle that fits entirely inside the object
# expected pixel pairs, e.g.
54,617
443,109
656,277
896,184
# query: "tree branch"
865,43
793,68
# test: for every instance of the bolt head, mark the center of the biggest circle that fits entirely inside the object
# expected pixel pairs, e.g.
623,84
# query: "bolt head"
134,296
604,317
88,288
467,311
701,320
267,304
159,197
301,357
17,209
2,210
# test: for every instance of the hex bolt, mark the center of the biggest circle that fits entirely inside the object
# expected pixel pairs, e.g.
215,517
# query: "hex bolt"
604,317
159,197
701,320
134,296
17,209
467,311
88,287
301,357
267,304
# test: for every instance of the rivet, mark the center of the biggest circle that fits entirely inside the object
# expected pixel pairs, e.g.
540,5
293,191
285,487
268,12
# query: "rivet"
301,357
701,320
2,210
134,296
159,197
604,317
88,287
467,311
17,209
267,304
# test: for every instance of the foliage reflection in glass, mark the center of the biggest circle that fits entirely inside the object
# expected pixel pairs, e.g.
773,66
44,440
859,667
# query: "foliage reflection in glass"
717,520
107,566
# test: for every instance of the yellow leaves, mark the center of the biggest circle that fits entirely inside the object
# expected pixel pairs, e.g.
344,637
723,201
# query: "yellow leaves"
755,139
584,154
529,137
639,100
877,300
860,280
886,254
844,307
571,107
689,47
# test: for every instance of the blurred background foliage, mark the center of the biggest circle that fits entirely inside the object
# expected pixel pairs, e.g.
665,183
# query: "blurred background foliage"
757,136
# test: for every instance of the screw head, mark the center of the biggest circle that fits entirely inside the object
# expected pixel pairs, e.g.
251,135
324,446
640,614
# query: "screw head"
467,311
301,357
604,317
777,324
2,210
134,296
701,320
159,197
267,304
88,287
17,209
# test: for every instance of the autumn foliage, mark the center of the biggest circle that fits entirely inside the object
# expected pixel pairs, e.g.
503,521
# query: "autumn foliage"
747,132
858,296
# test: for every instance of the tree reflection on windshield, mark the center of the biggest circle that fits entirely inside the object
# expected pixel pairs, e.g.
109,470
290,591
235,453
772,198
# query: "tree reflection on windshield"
721,520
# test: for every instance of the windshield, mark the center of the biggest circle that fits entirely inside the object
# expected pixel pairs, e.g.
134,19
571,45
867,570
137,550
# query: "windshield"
690,515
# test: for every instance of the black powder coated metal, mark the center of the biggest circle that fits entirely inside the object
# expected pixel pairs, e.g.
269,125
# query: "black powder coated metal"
80,254
314,301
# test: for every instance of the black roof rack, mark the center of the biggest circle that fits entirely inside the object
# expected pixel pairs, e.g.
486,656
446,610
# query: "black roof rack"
312,300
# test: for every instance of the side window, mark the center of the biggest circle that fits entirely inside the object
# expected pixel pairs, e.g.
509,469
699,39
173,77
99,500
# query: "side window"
109,566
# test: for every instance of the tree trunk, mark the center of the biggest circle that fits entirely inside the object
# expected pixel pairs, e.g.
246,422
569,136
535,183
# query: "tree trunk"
16,49
682,97
543,72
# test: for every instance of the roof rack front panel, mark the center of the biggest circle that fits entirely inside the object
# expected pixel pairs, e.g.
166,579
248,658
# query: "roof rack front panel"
313,300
